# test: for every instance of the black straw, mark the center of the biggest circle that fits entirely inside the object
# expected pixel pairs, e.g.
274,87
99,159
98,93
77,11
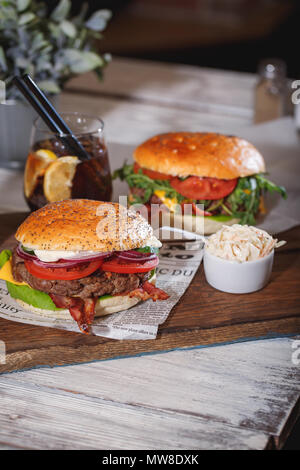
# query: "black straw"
50,116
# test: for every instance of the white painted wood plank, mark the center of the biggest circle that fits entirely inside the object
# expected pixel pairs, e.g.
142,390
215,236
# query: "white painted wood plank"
191,87
6,447
41,419
250,385
131,123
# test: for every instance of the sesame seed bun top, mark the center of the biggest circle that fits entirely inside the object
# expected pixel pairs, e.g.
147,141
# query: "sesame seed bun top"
85,225
199,154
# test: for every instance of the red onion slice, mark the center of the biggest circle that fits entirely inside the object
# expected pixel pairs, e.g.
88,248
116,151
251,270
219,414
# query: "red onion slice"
24,255
63,263
132,255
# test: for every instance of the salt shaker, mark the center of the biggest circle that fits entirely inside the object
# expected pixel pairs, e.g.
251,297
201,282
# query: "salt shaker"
270,91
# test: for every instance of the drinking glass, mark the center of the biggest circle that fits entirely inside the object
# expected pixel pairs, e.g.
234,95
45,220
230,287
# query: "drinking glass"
53,172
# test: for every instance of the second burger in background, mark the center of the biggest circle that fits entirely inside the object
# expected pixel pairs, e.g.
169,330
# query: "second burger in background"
224,173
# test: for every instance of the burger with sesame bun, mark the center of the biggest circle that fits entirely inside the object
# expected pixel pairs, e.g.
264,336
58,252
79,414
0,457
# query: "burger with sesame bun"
196,175
82,258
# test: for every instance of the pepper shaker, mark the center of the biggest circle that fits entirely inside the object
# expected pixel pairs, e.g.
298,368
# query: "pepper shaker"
270,90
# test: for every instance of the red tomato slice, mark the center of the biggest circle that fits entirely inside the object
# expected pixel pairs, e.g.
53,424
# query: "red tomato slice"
197,188
66,274
116,265
154,175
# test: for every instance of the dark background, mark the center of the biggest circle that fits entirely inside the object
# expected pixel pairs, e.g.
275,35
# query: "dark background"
227,34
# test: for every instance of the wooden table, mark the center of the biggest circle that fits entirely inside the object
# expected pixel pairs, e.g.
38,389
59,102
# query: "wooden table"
235,396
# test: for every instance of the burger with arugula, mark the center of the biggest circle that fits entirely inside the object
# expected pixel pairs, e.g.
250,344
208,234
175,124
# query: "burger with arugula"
225,174
82,258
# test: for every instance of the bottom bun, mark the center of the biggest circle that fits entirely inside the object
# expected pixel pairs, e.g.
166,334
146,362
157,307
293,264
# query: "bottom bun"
103,307
202,226
114,304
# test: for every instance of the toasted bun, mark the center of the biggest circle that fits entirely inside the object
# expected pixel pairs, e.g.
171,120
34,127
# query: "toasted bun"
204,225
81,225
103,307
199,154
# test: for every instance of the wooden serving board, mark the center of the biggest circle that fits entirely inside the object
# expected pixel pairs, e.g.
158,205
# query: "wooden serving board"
203,317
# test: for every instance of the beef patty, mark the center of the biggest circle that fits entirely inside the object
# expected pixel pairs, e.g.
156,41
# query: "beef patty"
97,284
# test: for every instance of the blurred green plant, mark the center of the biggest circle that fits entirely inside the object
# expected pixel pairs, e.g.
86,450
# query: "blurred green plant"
51,47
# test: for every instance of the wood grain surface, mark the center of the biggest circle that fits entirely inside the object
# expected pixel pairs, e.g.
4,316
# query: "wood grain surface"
237,396
203,316
103,419
181,87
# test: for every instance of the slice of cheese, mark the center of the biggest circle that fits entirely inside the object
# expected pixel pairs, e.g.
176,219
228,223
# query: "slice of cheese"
6,274
262,207
170,203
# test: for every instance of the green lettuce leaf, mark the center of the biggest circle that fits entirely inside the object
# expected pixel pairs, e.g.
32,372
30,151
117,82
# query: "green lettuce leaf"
31,296
35,297
148,249
5,255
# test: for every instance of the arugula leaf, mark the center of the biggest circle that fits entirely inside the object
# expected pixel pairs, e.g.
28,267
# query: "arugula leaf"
123,172
266,184
244,200
242,203
139,180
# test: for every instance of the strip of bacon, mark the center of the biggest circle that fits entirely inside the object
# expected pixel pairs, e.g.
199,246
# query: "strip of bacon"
89,309
149,291
139,293
81,310
154,292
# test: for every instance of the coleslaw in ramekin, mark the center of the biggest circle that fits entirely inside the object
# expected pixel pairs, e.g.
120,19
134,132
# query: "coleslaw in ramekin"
241,243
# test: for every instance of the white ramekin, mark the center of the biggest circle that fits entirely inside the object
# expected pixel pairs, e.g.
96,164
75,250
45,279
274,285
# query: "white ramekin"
235,277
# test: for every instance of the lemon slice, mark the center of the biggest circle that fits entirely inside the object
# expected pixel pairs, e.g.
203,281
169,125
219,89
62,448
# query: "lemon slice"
46,154
36,164
58,178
